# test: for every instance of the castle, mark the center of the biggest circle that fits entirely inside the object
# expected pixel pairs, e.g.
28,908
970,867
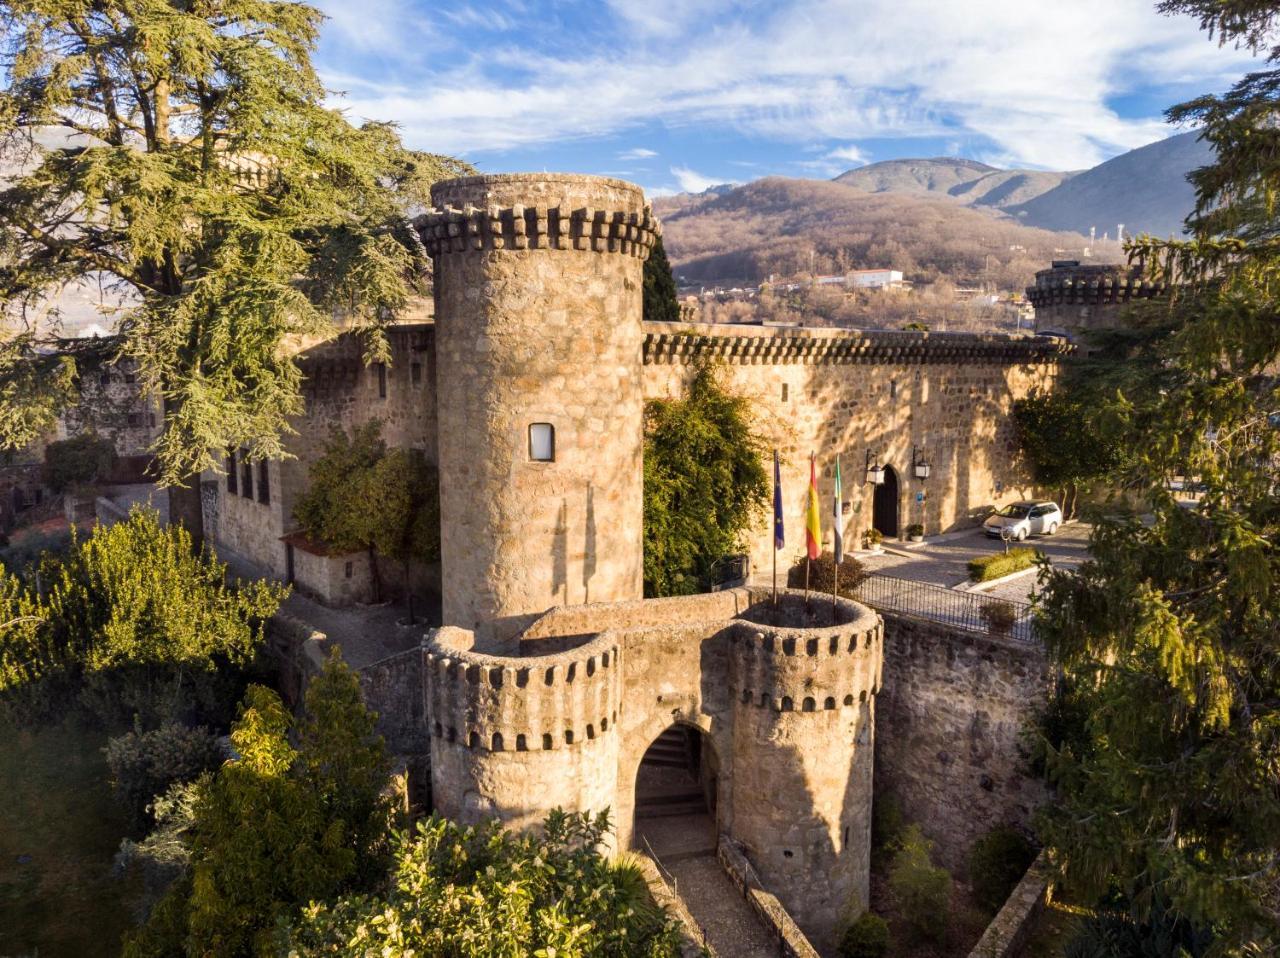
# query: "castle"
552,678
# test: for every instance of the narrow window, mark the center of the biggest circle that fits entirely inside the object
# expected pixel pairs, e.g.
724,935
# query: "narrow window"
264,483
382,380
348,570
231,471
246,475
415,373
542,442
130,378
784,392
135,419
151,420
104,379
893,389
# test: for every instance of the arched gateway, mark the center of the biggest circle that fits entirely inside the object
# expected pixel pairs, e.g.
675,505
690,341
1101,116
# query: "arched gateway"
780,699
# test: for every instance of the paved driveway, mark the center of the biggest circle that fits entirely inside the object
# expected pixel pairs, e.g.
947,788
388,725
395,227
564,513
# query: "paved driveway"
944,559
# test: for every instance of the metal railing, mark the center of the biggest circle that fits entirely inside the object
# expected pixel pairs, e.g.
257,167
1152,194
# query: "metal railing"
970,611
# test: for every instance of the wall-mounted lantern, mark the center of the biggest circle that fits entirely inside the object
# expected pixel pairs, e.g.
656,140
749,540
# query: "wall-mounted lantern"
875,473
918,463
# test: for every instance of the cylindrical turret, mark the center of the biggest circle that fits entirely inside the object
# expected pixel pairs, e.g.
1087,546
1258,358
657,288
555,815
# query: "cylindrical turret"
538,284
804,681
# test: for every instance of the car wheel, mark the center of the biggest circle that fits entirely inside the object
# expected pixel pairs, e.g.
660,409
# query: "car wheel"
1053,527
1022,535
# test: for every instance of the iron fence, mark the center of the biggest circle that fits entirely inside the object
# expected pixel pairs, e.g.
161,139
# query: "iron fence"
971,611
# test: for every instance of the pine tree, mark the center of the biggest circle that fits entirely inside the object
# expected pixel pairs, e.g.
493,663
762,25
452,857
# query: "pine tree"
205,181
660,302
1169,637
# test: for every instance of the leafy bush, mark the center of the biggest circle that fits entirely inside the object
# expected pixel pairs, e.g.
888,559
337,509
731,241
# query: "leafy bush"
887,822
145,765
922,890
77,461
997,564
705,485
997,862
1112,933
822,571
999,615
132,620
454,887
868,937
872,538
915,529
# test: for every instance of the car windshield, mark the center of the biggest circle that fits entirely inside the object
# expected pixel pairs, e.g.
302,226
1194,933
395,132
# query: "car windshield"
1015,511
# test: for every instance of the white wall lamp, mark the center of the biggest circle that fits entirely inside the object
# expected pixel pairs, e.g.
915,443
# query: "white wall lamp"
918,463
875,473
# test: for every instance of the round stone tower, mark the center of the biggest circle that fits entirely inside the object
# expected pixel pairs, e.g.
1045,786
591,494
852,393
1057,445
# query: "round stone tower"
538,284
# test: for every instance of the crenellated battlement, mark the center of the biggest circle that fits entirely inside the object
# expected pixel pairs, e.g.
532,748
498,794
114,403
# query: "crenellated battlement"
518,227
500,703
806,656
682,344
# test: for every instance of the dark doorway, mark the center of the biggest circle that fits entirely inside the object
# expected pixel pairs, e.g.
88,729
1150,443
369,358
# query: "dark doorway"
884,512
676,794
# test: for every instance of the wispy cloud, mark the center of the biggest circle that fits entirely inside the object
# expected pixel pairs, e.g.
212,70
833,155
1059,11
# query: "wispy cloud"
1034,88
691,181
640,153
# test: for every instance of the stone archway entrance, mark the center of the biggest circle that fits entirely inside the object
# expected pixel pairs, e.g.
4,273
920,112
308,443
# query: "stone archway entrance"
884,507
675,806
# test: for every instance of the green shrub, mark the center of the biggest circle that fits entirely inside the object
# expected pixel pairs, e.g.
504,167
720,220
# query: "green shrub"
922,890
887,822
1000,616
915,529
868,937
872,538
145,765
822,574
997,863
77,461
988,567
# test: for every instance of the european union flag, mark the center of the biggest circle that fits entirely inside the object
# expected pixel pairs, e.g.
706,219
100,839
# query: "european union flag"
778,538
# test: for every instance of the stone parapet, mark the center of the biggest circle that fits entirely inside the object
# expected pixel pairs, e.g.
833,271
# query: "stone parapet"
1071,284
499,703
792,942
680,343
1013,924
830,661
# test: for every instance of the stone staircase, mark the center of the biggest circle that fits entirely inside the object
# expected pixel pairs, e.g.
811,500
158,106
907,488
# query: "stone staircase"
668,786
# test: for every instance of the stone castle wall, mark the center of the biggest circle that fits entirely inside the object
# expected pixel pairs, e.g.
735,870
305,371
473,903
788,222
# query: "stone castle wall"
538,311
785,701
947,397
951,727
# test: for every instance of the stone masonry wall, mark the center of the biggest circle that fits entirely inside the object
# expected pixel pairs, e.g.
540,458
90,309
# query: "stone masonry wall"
538,320
889,394
949,730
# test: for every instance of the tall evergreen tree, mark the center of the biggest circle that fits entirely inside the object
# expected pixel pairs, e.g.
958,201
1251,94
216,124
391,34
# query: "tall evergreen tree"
203,180
1169,637
660,302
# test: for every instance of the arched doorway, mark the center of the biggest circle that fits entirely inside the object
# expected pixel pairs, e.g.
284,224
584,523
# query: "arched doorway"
884,508
675,807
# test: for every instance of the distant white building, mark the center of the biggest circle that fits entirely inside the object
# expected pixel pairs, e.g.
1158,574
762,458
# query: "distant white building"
875,278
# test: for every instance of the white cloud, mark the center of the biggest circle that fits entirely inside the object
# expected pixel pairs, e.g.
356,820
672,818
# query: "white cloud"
640,153
1032,83
692,181
849,154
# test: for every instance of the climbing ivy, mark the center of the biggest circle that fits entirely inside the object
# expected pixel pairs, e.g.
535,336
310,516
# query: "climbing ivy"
705,484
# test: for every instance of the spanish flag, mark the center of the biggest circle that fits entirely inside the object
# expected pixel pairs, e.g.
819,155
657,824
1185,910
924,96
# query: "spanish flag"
812,524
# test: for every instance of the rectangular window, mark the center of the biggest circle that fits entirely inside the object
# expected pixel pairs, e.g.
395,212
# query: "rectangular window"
542,442
104,379
382,380
151,420
264,483
784,392
246,475
135,419
231,471
415,373
130,378
348,570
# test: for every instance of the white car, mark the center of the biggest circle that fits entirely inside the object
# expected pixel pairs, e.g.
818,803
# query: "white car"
1021,519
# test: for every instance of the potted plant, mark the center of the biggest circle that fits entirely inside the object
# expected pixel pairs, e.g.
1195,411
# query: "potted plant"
915,532
871,540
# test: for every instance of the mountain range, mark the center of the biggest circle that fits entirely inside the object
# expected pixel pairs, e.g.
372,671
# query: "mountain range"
944,217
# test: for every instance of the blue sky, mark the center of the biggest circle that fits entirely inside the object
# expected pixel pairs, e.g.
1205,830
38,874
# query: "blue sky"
683,94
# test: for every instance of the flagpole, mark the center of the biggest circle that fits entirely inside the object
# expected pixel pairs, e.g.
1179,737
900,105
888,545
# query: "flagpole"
775,576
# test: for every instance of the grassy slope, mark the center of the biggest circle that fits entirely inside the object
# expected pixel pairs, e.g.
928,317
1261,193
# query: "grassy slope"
58,810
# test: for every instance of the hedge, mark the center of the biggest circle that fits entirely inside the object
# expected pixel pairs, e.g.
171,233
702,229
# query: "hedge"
986,568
